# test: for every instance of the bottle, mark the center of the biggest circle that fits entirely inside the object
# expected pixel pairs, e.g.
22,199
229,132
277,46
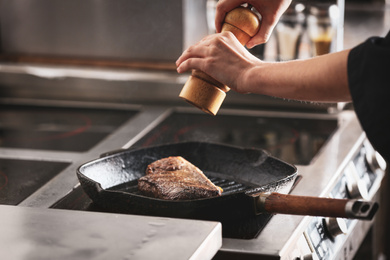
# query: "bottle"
322,27
289,32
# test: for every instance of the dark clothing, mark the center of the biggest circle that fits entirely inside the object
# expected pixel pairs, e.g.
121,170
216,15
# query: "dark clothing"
369,83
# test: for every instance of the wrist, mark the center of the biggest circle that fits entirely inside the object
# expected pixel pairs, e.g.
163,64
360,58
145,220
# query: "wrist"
250,80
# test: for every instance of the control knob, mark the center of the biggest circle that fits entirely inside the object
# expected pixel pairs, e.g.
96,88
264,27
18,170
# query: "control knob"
357,190
375,161
356,187
335,226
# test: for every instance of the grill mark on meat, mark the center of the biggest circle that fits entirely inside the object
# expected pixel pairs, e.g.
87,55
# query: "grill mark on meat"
174,178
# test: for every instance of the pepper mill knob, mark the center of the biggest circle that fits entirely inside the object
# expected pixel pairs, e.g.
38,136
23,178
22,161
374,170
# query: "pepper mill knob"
203,91
243,23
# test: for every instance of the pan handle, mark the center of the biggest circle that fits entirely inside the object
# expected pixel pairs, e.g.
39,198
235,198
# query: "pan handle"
315,206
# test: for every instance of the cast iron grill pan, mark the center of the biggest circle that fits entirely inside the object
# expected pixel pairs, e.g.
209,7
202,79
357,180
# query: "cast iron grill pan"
107,180
257,183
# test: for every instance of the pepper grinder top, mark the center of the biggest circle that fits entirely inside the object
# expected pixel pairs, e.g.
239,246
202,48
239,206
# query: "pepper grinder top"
205,92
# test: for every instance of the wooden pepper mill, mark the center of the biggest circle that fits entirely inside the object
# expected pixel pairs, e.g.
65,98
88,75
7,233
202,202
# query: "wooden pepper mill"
205,92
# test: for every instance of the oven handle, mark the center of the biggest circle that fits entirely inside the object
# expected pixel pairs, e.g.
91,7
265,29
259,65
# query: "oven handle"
314,206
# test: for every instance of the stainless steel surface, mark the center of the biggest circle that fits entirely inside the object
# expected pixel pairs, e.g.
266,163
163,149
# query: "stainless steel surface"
324,171
66,180
32,233
327,166
145,30
45,83
131,132
345,246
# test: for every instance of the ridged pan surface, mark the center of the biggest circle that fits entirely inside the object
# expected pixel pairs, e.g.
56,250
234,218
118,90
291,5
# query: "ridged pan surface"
111,181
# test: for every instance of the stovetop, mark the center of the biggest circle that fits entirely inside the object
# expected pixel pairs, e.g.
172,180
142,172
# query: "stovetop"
295,140
247,228
56,128
315,142
20,178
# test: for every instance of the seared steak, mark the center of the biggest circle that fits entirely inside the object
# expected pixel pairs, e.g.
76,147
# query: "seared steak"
172,163
174,178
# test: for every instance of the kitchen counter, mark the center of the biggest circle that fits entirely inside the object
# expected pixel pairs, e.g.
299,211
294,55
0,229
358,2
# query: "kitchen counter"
32,233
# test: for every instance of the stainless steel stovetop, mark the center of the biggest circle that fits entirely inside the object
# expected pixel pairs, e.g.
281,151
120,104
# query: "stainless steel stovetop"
330,150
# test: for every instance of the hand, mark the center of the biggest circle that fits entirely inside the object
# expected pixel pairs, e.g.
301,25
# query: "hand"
222,57
270,10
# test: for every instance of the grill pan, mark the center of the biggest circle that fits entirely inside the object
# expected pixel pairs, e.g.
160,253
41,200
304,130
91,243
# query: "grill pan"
254,183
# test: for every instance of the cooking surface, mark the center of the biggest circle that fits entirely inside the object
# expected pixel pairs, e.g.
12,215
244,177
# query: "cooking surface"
20,178
332,135
291,139
240,229
295,140
59,129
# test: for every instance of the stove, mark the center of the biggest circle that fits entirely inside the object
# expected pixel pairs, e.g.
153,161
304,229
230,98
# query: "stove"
43,142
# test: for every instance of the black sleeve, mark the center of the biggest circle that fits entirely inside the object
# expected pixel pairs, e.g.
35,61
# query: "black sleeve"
369,83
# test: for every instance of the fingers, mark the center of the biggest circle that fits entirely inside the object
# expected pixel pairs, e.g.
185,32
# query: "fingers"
198,55
270,11
225,6
262,36
222,8
187,54
188,64
198,50
193,53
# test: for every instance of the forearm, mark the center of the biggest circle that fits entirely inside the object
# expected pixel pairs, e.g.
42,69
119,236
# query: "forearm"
320,79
